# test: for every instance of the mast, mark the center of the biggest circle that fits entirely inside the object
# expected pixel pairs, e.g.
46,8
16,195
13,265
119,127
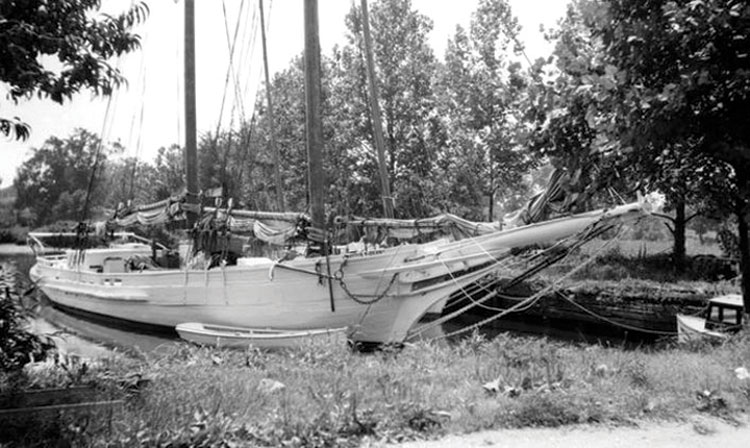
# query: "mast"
274,148
191,147
377,127
314,128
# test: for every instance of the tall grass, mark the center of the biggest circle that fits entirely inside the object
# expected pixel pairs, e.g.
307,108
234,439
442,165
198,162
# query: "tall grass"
331,396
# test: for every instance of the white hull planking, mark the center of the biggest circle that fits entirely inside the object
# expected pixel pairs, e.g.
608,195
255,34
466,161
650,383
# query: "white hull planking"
235,337
245,296
693,328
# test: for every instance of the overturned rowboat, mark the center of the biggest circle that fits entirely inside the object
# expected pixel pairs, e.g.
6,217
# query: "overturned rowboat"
267,338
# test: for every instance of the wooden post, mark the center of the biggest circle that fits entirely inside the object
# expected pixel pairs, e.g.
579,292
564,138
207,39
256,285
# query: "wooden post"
377,127
191,147
314,132
272,134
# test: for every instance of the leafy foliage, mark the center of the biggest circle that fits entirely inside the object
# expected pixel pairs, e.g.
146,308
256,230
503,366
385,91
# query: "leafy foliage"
31,32
54,182
685,90
482,92
18,346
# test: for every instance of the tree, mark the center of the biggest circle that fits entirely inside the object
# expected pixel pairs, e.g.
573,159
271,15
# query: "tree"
570,108
587,120
287,90
62,169
685,78
130,179
404,71
168,174
481,91
33,30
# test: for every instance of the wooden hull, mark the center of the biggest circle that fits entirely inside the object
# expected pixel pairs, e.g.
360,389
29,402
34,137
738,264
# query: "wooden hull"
693,328
234,337
379,296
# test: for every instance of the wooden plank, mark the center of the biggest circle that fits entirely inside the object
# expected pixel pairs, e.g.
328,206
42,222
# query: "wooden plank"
85,406
46,397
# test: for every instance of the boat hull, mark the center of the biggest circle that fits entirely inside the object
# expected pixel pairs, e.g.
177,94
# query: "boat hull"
378,296
693,328
264,295
236,337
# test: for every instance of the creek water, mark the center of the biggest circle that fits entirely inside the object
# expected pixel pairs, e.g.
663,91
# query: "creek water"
73,334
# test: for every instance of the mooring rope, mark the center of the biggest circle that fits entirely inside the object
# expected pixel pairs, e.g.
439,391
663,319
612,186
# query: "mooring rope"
338,276
521,306
557,254
584,236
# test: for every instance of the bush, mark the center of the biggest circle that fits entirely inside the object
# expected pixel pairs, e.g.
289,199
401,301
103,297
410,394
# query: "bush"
18,347
13,235
658,267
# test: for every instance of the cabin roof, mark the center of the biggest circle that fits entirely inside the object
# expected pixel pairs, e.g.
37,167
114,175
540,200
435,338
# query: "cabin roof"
734,300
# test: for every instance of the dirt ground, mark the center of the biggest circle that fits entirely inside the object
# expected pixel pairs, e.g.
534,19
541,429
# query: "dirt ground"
696,432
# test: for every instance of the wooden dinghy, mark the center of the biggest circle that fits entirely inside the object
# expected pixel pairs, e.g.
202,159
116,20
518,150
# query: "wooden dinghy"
723,317
238,337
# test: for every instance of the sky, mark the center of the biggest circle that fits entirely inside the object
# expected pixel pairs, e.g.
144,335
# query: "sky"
147,113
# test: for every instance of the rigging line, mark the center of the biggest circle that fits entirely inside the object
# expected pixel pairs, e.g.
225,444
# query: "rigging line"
231,48
249,53
85,210
578,239
139,143
138,146
142,79
177,102
239,64
252,80
527,303
231,41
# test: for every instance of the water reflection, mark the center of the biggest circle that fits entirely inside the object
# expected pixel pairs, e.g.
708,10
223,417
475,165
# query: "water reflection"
73,334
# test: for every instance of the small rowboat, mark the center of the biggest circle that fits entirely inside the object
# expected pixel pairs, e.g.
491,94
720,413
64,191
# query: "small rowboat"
723,317
237,337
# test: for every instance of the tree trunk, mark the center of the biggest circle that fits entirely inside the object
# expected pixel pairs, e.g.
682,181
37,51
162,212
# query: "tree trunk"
491,206
678,250
744,251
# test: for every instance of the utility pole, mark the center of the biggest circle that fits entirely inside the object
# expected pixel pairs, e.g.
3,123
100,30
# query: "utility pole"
314,127
377,127
272,133
191,147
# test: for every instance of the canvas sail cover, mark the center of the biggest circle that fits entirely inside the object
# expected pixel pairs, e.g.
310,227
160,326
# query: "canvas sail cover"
405,229
273,228
279,228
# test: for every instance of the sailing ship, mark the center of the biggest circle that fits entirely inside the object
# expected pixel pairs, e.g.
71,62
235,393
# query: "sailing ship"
379,295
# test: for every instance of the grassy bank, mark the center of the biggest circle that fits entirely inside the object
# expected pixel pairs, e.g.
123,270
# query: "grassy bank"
326,395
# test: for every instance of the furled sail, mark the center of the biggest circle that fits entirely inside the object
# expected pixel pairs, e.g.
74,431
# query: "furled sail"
405,229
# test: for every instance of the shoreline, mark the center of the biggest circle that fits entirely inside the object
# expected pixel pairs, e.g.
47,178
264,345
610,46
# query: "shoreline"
15,249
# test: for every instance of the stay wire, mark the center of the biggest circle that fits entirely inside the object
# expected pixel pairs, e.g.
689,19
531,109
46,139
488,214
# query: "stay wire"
557,255
97,157
231,47
526,303
231,42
